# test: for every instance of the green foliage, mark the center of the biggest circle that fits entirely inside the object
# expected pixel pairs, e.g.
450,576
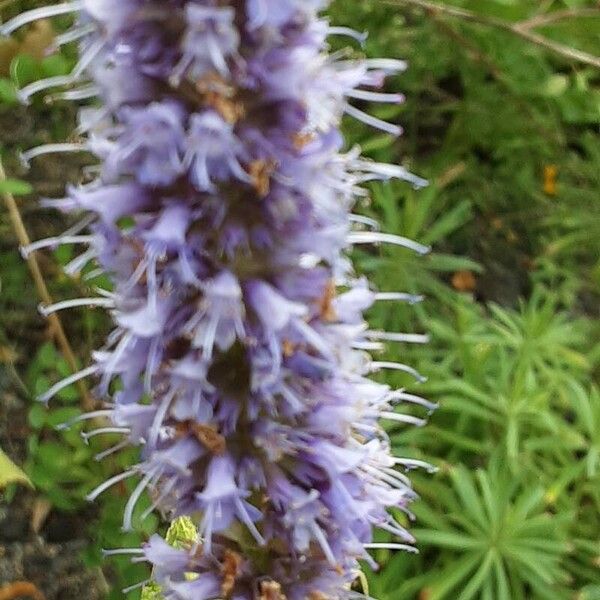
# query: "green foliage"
15,187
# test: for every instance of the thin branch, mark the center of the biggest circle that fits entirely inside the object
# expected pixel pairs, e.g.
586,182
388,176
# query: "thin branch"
514,28
56,327
557,15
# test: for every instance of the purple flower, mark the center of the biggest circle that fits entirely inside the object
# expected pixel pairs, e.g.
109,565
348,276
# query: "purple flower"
148,144
222,214
211,39
213,151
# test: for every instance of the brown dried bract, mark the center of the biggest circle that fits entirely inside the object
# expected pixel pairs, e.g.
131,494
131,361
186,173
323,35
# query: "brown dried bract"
326,309
221,96
302,139
260,172
317,596
230,570
289,348
231,110
271,590
207,435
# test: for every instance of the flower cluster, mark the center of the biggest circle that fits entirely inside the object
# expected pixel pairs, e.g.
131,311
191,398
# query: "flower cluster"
239,364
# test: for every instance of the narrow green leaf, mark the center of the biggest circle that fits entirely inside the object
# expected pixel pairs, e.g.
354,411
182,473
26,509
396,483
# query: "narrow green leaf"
16,187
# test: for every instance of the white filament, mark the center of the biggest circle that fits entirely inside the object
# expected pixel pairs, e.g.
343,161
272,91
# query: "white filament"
391,546
66,382
400,418
28,155
73,35
74,303
376,96
42,84
372,223
55,241
375,237
348,31
372,121
90,415
45,12
410,338
133,500
377,366
86,435
399,297
109,483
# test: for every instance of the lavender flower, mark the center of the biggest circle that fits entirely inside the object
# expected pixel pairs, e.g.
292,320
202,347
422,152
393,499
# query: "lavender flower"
240,344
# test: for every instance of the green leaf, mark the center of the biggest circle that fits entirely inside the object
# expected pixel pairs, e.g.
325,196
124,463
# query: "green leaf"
16,187
10,473
37,416
8,91
24,69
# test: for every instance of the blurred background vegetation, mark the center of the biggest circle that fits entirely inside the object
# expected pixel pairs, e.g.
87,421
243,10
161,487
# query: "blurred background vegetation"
507,132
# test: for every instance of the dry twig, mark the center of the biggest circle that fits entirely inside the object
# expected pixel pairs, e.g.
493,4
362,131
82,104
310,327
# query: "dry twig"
522,30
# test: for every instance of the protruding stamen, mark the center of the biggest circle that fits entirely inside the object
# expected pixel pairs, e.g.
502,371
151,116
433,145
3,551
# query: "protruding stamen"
27,156
133,500
399,297
400,418
87,435
25,93
87,57
367,119
74,303
136,586
375,170
410,463
94,274
116,448
376,96
322,541
368,346
377,366
122,551
72,35
409,338
45,12
375,237
360,37
96,414
109,483
78,263
372,223
392,546
389,65
53,242
83,93
66,382
401,396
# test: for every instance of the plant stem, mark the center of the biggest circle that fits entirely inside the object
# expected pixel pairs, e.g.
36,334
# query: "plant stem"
522,30
56,327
